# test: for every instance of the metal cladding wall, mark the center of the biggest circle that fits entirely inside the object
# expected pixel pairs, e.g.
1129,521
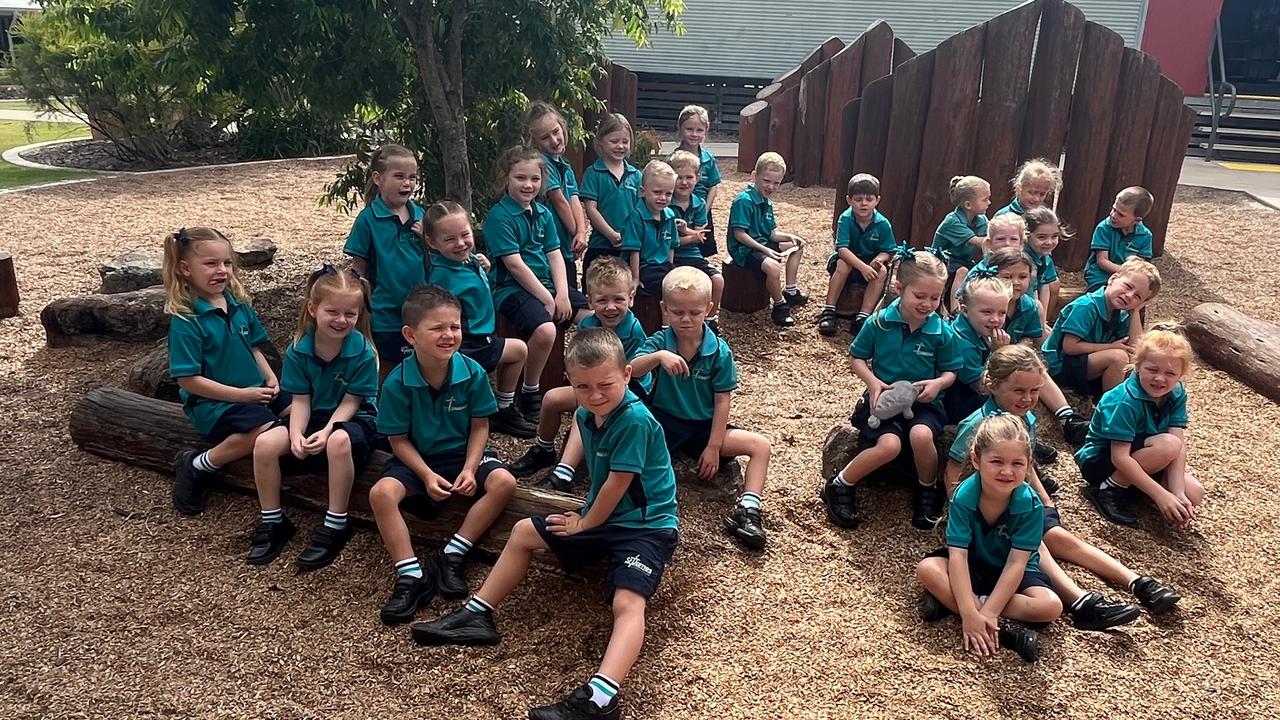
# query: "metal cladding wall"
763,38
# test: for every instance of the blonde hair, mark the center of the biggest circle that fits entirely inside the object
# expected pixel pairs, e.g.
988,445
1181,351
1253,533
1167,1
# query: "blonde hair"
687,281
1037,169
992,285
325,283
1136,198
684,158
1008,220
692,111
593,347
1044,215
1009,359
1001,428
965,188
608,272
378,164
1135,265
1009,257
178,246
770,161
918,264
657,169
1165,338
511,157
611,123
538,110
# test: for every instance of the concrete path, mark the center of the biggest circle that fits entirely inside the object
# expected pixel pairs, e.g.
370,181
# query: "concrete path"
31,116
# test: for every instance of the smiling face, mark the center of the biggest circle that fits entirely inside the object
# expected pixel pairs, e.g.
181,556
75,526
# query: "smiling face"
1045,238
616,145
985,311
438,335
548,135
1127,291
693,131
1002,467
451,237
1032,194
524,182
686,179
1159,373
686,312
863,205
599,389
336,314
767,181
207,268
610,304
397,183
920,297
1019,392
1019,276
656,192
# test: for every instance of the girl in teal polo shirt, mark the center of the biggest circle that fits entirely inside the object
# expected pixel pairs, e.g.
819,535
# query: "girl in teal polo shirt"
693,124
331,370
979,329
1034,182
229,392
546,129
1044,232
610,188
963,232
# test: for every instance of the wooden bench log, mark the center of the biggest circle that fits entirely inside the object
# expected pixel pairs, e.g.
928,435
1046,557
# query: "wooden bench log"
744,290
648,310
1246,348
8,287
119,425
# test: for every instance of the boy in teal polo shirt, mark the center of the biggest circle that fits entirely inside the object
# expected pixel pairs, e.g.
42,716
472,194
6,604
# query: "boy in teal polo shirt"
1093,337
694,379
650,235
694,220
864,244
435,408
693,124
756,243
629,518
1119,236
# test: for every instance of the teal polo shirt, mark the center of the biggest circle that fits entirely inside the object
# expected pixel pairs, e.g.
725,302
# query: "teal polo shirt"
1126,412
965,430
395,258
708,173
972,349
353,371
437,420
614,196
629,331
630,441
1014,207
471,286
1019,527
1088,318
695,216
652,237
1025,321
711,371
754,213
896,353
560,177
865,243
1046,271
1119,247
512,230
953,234
217,345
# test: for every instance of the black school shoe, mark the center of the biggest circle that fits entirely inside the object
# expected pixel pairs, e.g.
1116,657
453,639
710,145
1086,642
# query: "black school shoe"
1050,485
529,405
189,483
1075,429
577,706
1095,612
450,572
827,322
1114,503
932,609
509,421
855,325
460,627
326,544
745,525
796,298
269,540
555,483
1019,638
1156,598
781,315
533,460
408,595
926,506
1044,454
841,502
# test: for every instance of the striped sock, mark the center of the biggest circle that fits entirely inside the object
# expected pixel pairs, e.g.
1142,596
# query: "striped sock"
505,399
203,463
861,316
545,445
478,606
777,303
409,566
564,472
273,516
1111,483
337,521
458,545
841,481
1063,413
829,308
530,389
792,290
603,689
749,500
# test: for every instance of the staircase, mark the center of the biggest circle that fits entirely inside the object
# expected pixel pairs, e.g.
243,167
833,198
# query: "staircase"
1250,132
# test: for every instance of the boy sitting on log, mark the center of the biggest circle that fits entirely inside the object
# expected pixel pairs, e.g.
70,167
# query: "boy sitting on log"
864,244
756,243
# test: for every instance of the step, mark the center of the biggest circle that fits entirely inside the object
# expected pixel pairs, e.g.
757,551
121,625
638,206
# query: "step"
1243,122
1235,136
1241,153
1264,107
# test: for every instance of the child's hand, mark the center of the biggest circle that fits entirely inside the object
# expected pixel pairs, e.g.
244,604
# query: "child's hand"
550,305
296,447
565,524
256,395
465,483
874,390
562,309
437,487
315,444
868,272
673,363
417,228
786,244
709,463
1048,330
273,384
929,389
616,240
483,262
773,254
1123,344
999,338
981,635
1174,512
579,243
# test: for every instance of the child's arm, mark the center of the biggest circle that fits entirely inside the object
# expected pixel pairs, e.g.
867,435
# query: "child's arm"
615,486
929,389
633,261
465,483
1033,479
779,236
875,385
437,487
563,210
744,238
214,390
360,266
980,631
1073,345
1129,470
561,283
299,416
648,359
864,269
580,225
264,367
1103,258
530,282
592,211
1007,586
951,475
709,462
1135,329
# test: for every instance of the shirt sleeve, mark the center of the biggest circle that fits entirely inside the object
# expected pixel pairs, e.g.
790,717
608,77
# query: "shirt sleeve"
1178,413
186,347
725,378
1142,243
1050,271
697,215
888,243
1028,528
863,346
959,450
674,231
1101,239
393,407
482,401
980,226
590,188
364,380
948,355
550,236
651,344
293,374
959,527
844,230
569,183
499,236
1077,320
554,181
740,213
1122,422
630,448
713,174
1029,325
632,232
257,333
360,239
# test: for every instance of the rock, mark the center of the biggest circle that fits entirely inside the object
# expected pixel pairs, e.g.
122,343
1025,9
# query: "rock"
135,316
255,252
130,271
149,376
838,449
843,443
728,480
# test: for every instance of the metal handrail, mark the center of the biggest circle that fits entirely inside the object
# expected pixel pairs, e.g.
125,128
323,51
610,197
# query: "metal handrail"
1218,91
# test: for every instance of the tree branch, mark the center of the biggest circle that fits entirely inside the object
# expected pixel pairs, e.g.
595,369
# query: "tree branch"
454,73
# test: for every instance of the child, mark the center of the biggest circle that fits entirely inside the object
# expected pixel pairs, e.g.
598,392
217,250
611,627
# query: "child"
1014,377
1033,183
693,123
756,243
331,369
979,329
1044,232
650,235
1093,338
434,409
629,518
530,288
1137,440
691,397
964,231
1119,236
1006,230
229,392
454,267
696,230
547,130
905,341
609,284
610,188
989,573
864,244
385,246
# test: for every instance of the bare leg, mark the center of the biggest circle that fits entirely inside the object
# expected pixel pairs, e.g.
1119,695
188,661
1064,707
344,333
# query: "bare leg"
933,575
717,292
793,265
342,470
1108,365
514,354
267,450
555,403
498,489
384,499
1035,604
628,634
836,284
1051,396
757,449
1065,546
873,458
925,454
512,564
540,343
235,447
1063,585
772,278
871,295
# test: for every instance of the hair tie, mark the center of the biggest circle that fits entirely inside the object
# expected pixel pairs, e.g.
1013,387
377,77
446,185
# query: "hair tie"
906,253
328,269
180,236
983,271
355,273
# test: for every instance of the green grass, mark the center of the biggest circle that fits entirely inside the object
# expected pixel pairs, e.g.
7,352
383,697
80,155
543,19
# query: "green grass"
14,133
16,105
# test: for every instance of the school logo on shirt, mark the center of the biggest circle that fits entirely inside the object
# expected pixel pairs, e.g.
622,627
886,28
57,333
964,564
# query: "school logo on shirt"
923,349
340,379
702,374
452,404
636,564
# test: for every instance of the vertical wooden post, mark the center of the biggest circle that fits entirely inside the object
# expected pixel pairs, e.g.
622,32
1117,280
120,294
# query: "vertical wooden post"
8,287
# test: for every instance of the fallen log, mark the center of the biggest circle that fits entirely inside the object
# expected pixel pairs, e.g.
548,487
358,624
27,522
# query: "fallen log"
135,316
1245,348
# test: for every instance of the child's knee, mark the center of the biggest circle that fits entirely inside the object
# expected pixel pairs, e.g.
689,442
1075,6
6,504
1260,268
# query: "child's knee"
1167,444
500,483
771,268
628,603
889,443
920,436
386,493
338,445
525,536
717,283
544,335
515,351
266,446
931,571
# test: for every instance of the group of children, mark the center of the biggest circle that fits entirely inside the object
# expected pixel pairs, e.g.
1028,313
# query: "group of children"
397,351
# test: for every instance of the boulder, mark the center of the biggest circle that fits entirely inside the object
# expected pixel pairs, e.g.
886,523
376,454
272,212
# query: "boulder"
149,376
135,316
838,449
130,271
255,252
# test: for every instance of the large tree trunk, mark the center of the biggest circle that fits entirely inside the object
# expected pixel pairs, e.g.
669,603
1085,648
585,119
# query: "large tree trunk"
1245,348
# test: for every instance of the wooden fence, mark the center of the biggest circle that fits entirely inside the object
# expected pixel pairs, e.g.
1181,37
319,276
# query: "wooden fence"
1037,81
617,87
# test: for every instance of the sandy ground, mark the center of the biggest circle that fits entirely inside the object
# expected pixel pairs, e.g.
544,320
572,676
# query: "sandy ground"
115,607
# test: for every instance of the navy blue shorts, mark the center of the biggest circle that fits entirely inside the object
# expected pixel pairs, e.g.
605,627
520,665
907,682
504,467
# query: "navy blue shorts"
486,350
651,277
244,417
855,277
1075,375
361,430
984,577
570,269
925,414
392,347
754,261
527,314
637,556
1052,519
590,256
699,263
690,437
416,500
960,401
1098,468
708,246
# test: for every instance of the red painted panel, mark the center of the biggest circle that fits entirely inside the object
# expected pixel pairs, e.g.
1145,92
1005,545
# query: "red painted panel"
1179,33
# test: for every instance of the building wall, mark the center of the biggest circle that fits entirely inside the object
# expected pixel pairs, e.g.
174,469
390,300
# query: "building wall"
763,38
1179,33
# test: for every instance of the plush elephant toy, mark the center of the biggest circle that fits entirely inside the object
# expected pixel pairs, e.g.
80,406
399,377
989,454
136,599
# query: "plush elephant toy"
898,399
